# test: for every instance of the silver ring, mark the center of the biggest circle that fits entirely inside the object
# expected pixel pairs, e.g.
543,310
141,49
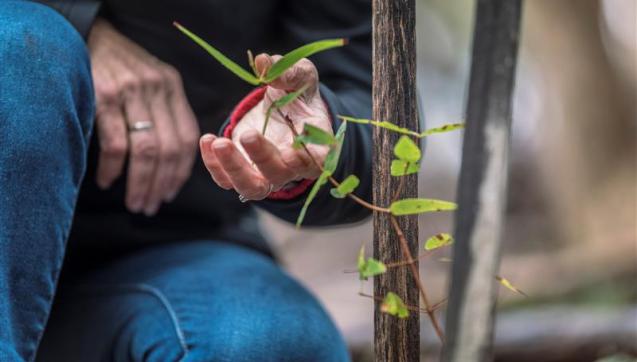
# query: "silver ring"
244,199
140,126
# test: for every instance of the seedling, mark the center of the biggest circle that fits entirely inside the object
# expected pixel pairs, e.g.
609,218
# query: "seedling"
406,150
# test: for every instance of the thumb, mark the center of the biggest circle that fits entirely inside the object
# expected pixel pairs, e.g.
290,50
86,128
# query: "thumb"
303,73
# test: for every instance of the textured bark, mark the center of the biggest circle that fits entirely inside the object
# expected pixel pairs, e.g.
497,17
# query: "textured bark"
483,182
394,94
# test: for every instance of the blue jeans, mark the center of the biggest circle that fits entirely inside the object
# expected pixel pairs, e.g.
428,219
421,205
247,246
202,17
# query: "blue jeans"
186,301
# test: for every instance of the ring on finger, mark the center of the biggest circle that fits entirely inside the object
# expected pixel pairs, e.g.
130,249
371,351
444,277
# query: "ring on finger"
140,126
244,199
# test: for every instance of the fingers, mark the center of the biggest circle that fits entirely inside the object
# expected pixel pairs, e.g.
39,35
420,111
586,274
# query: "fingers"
244,178
133,86
267,159
111,129
300,74
212,162
144,149
168,153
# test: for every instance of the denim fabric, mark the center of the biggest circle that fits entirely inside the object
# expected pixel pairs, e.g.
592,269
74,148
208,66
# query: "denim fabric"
46,113
190,301
185,301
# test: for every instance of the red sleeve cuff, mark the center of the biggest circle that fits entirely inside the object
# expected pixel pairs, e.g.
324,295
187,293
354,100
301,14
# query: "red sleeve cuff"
244,106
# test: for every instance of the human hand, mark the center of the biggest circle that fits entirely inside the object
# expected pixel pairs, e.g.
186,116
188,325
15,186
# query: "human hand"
255,165
142,112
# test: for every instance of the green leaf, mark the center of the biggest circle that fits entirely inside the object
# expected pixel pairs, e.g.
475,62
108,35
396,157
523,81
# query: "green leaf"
225,61
251,63
297,54
418,206
407,150
280,103
402,168
384,124
395,128
314,135
346,187
438,241
360,262
442,129
369,268
393,305
507,284
310,197
331,160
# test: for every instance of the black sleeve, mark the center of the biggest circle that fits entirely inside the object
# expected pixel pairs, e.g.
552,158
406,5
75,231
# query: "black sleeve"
80,13
345,75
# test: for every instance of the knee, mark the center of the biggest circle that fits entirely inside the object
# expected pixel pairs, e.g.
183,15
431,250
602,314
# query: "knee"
46,92
283,323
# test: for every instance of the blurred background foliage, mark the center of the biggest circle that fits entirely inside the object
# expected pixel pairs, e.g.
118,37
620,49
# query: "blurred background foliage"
571,240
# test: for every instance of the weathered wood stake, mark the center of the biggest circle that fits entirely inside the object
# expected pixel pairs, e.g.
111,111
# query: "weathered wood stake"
394,94
483,182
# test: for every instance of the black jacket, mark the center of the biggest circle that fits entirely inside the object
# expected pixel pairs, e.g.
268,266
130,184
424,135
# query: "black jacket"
203,210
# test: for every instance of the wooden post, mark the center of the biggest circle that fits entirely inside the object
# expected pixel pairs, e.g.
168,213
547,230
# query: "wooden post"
483,182
394,95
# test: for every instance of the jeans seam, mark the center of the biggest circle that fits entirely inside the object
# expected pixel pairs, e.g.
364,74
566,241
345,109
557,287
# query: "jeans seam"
150,290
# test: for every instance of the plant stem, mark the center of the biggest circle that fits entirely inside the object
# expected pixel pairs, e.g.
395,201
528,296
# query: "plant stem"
407,262
439,304
414,271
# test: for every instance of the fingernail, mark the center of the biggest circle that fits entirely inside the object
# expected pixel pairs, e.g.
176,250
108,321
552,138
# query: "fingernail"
207,137
221,146
151,210
136,205
171,196
103,185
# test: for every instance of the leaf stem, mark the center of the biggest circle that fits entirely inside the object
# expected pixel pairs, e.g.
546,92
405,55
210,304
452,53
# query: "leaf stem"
407,262
414,271
333,181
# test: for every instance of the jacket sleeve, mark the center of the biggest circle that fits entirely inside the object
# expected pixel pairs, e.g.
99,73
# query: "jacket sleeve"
345,75
80,13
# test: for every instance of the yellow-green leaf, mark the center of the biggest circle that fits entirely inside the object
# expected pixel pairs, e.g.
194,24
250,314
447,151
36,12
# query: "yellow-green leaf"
393,305
360,262
310,197
507,284
371,268
280,103
314,135
297,54
418,206
442,129
346,187
331,160
395,128
438,241
225,61
407,150
382,124
402,168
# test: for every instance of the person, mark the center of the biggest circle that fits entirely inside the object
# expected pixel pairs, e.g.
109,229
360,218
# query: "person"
102,170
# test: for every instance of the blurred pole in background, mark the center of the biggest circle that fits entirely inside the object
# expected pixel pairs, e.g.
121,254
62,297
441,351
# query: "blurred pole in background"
482,187
394,96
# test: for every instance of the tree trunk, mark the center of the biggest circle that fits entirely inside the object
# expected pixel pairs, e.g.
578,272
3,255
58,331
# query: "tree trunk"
483,182
394,95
